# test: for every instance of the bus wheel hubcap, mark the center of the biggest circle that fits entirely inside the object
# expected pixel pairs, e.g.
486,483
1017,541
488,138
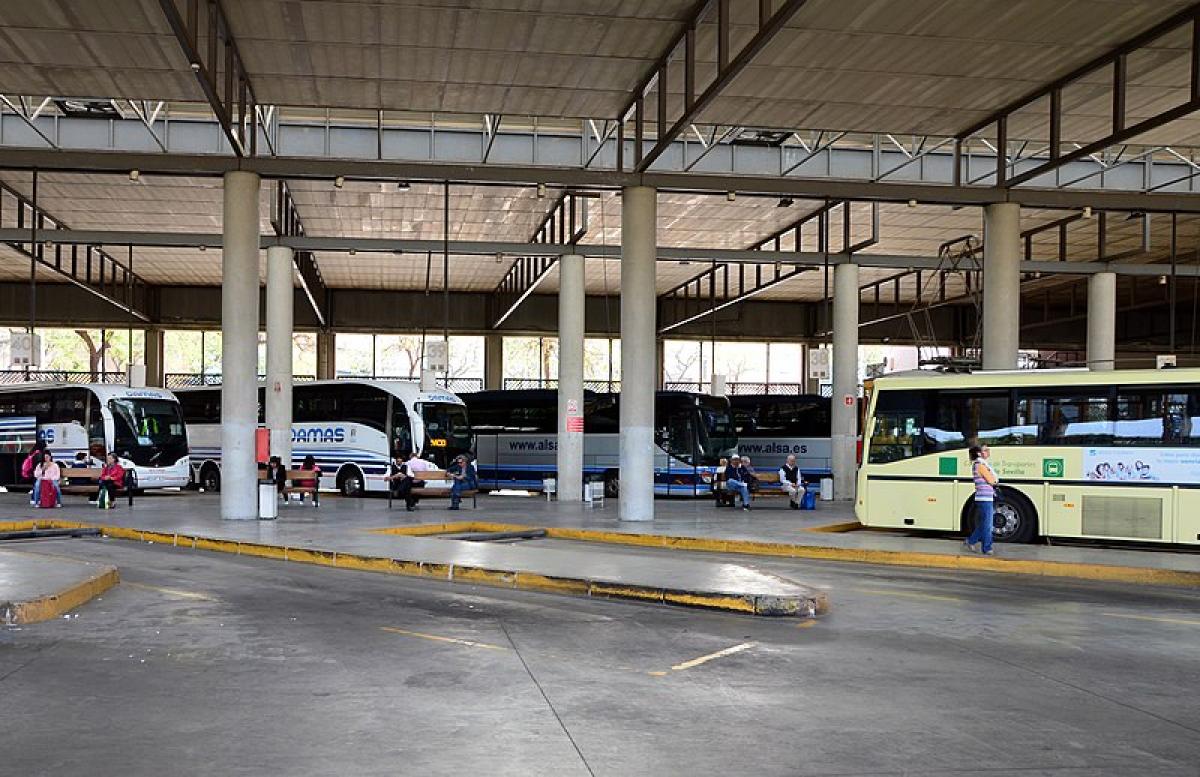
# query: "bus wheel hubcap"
1007,521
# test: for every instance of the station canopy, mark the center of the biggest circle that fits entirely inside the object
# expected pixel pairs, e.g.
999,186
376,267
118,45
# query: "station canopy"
793,128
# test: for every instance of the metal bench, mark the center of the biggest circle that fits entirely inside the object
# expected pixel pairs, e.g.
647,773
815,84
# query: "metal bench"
437,486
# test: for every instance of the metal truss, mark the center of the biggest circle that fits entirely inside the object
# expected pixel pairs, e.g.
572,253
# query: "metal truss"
696,298
88,267
1006,171
770,22
207,42
147,112
24,108
565,224
285,219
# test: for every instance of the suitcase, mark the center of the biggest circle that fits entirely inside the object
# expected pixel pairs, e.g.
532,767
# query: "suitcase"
47,498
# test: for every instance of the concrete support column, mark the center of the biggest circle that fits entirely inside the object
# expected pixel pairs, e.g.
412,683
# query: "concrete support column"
280,301
638,352
155,357
1102,321
326,361
1001,285
845,380
239,346
570,378
493,362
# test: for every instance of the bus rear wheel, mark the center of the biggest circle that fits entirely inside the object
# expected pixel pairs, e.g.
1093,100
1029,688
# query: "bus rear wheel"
1013,520
210,478
350,483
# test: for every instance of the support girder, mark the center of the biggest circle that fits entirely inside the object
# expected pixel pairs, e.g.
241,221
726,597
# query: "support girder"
285,219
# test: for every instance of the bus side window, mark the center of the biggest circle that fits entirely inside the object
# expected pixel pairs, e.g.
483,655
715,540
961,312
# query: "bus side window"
96,437
899,423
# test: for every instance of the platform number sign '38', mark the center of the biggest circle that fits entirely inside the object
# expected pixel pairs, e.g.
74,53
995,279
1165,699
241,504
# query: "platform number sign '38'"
1053,468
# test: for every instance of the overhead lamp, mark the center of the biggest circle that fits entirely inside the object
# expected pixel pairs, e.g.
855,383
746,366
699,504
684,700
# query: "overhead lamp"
730,196
785,202
912,203
1087,211
403,186
1037,274
541,191
134,175
1162,280
353,251
203,247
499,258
195,66
339,182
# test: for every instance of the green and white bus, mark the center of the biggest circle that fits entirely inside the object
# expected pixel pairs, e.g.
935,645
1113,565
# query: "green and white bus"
1095,455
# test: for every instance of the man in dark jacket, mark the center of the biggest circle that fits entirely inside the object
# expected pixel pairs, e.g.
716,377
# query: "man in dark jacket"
463,474
400,480
739,478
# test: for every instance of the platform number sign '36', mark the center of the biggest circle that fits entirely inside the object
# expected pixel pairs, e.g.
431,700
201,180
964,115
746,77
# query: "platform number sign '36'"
1053,468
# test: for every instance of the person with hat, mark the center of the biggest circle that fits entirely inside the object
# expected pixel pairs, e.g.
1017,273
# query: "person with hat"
738,478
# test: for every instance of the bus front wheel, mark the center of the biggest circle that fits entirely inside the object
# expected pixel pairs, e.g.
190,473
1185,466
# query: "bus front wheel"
1014,519
210,478
350,482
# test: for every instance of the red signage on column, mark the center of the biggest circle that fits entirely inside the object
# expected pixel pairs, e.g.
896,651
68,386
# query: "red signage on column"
574,424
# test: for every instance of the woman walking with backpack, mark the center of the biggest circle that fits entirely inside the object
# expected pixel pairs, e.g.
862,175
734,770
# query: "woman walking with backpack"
986,481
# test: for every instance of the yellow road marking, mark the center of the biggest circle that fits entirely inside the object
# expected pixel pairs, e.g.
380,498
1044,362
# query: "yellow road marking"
729,651
909,594
808,624
1158,618
436,638
178,592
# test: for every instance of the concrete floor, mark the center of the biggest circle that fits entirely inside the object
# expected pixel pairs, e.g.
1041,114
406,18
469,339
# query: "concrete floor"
208,663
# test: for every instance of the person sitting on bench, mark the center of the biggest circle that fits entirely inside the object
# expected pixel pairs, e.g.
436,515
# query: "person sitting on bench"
310,464
789,478
401,480
112,480
463,474
276,473
739,479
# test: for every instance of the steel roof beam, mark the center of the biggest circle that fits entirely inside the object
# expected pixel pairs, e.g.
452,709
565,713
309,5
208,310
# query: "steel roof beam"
92,269
232,101
770,24
1120,131
285,219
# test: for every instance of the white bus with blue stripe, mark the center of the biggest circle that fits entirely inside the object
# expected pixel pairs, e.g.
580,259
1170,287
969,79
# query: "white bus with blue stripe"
516,439
349,427
143,426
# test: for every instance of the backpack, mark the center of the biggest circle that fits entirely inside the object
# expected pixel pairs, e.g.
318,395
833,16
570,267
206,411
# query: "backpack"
27,467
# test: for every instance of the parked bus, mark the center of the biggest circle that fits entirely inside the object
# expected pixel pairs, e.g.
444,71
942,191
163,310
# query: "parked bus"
350,427
142,425
1097,455
771,426
516,439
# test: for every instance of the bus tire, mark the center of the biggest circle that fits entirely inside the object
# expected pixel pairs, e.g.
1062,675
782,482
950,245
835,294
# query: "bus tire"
210,478
350,482
1014,517
612,485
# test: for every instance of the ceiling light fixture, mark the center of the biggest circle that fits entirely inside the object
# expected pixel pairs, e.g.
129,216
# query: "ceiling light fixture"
785,202
499,258
196,66
203,247
541,191
1087,211
353,251
134,175
1162,280
403,186
339,182
730,196
912,203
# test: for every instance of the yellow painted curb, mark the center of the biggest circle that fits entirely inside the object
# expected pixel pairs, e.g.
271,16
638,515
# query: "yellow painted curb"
959,562
836,528
53,605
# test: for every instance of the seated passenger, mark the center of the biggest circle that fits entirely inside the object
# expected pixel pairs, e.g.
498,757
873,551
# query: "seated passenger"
793,484
739,479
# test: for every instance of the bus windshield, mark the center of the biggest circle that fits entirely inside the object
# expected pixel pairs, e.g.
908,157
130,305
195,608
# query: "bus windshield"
715,435
148,432
446,430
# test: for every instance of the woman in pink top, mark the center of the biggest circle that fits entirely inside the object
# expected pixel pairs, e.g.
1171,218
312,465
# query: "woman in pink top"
48,474
112,479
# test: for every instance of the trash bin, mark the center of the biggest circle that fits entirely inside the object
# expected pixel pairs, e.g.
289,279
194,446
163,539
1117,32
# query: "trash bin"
826,489
268,502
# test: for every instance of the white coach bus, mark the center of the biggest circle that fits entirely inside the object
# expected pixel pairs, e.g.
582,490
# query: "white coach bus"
143,426
349,427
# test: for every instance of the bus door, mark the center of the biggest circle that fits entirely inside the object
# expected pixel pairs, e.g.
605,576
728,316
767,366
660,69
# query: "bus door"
902,491
675,450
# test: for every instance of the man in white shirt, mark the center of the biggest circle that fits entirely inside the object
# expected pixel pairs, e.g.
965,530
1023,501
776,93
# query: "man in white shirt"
789,479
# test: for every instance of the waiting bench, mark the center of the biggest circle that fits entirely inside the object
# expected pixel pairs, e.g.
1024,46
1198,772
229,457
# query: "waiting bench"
72,475
765,485
437,486
294,476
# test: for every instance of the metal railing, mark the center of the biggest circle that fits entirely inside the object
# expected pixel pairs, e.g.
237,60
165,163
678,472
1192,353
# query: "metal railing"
174,380
739,388
603,386
9,377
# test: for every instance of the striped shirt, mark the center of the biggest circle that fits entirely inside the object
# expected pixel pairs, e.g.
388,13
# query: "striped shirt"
984,491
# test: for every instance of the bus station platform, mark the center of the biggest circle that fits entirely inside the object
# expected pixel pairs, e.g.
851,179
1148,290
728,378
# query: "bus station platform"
36,587
367,527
